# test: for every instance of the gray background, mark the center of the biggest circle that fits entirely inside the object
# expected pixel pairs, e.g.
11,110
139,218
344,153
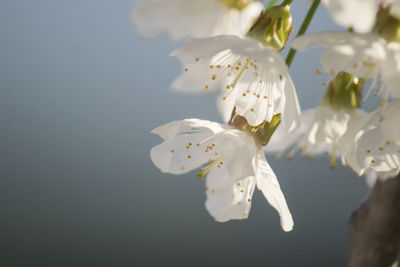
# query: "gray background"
79,93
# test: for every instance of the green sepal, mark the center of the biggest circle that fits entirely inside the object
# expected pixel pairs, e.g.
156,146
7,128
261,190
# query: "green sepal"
261,133
344,92
264,131
386,25
273,27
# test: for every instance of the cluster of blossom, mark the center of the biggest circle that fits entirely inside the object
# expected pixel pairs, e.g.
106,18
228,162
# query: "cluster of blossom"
233,49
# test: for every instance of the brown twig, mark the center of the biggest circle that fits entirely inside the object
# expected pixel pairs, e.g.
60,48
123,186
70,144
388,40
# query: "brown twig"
375,227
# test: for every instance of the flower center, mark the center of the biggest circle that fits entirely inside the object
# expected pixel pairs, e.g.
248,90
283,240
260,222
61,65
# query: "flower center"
237,4
261,133
344,92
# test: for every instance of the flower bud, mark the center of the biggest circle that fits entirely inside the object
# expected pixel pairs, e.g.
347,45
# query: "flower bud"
344,92
386,25
273,27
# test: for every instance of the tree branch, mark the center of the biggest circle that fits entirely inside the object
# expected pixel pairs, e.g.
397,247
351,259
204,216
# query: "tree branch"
375,227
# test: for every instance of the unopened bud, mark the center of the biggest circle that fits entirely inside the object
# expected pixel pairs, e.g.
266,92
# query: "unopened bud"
273,27
387,26
344,92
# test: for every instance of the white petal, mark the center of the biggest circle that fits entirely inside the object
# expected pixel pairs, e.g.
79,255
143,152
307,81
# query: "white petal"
269,185
186,145
170,130
359,14
283,139
291,120
383,157
329,125
354,53
390,122
180,18
373,143
371,178
228,199
237,150
391,69
225,107
253,77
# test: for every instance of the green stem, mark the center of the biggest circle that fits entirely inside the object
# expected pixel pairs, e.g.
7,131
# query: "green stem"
303,29
271,4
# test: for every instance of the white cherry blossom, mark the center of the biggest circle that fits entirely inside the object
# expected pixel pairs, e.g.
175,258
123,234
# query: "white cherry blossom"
363,55
201,18
359,14
247,74
236,165
321,129
372,144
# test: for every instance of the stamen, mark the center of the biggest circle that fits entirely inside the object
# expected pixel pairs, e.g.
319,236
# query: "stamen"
203,172
333,158
240,73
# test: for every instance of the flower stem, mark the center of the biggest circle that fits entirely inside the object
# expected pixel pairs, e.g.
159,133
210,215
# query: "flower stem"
303,29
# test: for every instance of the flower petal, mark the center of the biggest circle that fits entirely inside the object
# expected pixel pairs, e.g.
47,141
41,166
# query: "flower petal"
228,199
181,18
251,77
269,185
359,14
187,145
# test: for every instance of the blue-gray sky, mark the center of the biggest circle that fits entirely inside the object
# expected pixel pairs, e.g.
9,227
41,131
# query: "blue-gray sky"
79,93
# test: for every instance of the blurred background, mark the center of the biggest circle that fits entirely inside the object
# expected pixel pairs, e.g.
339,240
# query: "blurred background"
80,92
